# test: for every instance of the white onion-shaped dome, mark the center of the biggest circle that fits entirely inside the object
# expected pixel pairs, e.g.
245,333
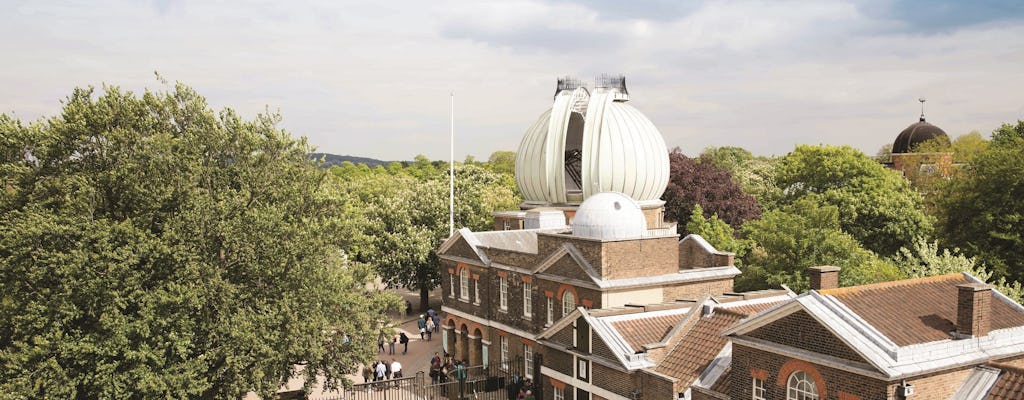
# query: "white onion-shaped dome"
607,216
617,149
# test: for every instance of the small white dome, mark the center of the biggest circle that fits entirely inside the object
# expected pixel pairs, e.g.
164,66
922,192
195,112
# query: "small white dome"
609,215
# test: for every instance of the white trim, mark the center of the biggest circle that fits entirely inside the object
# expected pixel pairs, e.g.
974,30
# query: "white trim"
578,384
716,368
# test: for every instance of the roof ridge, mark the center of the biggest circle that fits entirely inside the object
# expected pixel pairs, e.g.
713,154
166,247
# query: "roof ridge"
889,284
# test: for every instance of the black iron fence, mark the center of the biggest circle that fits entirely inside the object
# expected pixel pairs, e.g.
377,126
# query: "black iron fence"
494,381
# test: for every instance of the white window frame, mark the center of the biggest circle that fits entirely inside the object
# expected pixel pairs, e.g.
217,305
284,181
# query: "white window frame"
528,361
551,311
451,286
503,294
476,291
568,306
507,224
757,389
503,341
527,299
464,284
800,386
559,393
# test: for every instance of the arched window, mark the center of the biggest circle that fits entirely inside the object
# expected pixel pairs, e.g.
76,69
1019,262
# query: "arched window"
568,302
464,284
801,387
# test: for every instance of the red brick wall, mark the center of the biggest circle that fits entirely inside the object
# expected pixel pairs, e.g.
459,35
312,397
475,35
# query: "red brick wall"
802,331
691,255
637,258
832,381
694,290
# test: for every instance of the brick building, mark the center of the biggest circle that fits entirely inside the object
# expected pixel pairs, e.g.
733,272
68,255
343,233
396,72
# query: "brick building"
589,275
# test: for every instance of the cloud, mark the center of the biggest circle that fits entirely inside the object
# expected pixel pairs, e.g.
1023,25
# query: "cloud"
373,79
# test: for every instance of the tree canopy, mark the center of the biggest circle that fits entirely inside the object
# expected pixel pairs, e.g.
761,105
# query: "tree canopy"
403,215
876,206
981,209
703,183
151,247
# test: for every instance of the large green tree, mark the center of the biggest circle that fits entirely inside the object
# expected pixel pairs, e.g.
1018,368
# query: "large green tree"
801,235
151,247
406,216
982,208
875,205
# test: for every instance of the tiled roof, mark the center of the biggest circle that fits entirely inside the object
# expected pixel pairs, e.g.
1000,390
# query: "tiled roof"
919,310
640,331
704,341
722,384
1010,385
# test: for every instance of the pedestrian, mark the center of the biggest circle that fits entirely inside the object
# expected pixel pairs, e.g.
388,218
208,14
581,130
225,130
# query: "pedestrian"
430,329
529,395
437,323
391,346
435,369
367,373
422,324
381,370
404,340
396,369
380,342
408,308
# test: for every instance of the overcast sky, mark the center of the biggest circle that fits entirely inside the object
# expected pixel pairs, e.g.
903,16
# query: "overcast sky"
373,78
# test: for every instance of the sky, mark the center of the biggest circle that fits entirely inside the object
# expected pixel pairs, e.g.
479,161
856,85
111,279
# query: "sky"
373,79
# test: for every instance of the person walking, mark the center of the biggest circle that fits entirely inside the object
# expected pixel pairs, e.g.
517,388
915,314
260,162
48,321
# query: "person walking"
404,340
437,323
430,329
396,369
381,371
391,346
422,324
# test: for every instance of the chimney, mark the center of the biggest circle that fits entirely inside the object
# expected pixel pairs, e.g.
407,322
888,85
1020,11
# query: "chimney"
824,277
973,309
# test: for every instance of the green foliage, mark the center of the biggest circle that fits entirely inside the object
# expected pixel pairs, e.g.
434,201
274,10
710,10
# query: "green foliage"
755,175
966,147
718,233
399,216
801,235
503,162
925,259
981,209
152,248
875,206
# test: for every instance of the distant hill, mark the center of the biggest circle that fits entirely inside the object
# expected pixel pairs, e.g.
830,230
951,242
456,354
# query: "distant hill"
334,159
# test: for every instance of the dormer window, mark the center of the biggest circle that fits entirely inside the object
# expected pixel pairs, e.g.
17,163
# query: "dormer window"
801,386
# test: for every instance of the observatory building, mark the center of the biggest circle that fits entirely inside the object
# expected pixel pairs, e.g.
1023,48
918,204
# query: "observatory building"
589,143
589,293
918,165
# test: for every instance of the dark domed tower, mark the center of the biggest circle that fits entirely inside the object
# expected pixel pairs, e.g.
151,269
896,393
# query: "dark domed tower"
917,166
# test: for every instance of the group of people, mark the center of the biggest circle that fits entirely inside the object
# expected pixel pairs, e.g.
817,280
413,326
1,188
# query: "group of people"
520,388
401,338
381,370
428,324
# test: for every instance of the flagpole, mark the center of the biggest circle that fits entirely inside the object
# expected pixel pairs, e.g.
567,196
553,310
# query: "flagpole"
451,170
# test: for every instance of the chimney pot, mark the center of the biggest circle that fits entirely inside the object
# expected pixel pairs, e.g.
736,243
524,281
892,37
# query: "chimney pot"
824,277
973,309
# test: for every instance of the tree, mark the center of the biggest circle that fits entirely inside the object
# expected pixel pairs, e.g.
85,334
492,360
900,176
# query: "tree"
502,162
876,206
152,248
692,183
406,214
718,233
967,146
926,259
981,209
801,235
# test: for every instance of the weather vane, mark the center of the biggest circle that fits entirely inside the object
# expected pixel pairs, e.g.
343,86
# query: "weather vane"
922,100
